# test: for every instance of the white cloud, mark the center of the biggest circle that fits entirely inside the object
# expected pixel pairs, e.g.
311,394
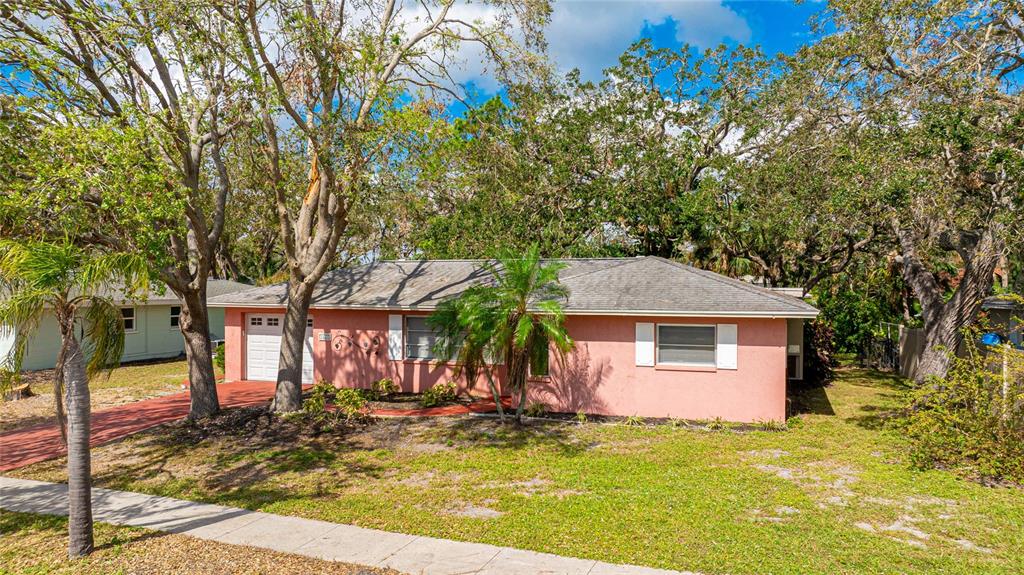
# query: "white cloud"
592,34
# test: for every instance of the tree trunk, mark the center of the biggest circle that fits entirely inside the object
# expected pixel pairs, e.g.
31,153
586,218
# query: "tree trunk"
495,394
944,320
195,328
80,541
288,395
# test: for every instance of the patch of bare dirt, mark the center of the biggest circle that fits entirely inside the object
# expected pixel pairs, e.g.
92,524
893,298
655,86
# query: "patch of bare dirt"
471,511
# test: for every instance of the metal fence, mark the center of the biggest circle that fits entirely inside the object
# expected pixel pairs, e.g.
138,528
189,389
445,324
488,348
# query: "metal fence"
883,351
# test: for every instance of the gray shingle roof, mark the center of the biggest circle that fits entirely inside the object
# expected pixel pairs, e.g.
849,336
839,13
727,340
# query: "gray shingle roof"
214,288
614,286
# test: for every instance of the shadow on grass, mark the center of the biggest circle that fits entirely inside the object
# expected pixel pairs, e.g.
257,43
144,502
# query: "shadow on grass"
248,458
809,400
886,404
489,432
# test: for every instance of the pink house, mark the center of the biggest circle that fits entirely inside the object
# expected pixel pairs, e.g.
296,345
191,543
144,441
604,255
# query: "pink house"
654,338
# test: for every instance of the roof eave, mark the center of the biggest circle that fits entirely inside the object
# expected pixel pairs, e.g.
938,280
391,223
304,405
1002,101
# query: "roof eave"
794,314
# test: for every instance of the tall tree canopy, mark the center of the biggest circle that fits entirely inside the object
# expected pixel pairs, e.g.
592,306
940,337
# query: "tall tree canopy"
154,79
341,84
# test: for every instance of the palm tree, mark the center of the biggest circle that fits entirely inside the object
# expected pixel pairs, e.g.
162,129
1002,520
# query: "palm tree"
66,280
513,318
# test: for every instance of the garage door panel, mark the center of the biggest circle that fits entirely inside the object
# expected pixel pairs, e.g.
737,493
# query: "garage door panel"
263,348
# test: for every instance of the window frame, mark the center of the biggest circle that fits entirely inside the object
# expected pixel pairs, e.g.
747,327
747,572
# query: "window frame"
405,339
134,318
175,318
714,346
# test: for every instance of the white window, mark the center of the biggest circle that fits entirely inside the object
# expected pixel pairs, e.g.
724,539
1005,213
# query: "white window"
273,322
419,338
256,321
175,315
686,344
309,322
128,319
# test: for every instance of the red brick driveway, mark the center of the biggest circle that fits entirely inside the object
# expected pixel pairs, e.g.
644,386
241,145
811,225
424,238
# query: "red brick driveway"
21,447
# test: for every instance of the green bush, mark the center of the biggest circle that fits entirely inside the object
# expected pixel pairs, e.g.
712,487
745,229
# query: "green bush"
972,421
536,410
439,394
385,387
351,403
218,356
315,405
819,352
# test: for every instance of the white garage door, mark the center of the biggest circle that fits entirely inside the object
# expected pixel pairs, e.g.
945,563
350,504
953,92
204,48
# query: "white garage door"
263,347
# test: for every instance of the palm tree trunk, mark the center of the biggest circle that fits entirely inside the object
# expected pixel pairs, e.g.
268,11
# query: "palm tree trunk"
58,397
80,540
495,394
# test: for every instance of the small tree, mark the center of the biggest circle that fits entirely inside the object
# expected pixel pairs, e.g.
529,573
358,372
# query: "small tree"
66,280
508,319
464,326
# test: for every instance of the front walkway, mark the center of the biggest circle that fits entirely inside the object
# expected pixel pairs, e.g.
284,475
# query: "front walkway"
317,539
29,445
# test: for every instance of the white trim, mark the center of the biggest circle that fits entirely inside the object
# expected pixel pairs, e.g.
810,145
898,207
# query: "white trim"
396,338
727,346
629,313
657,351
645,346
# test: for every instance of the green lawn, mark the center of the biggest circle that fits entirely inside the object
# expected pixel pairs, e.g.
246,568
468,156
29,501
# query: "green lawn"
833,494
34,544
123,385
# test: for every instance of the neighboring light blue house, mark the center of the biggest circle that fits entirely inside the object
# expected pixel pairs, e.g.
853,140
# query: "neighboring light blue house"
151,329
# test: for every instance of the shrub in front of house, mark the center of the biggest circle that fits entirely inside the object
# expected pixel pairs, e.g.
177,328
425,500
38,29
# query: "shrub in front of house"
315,406
971,421
385,387
351,403
536,410
439,394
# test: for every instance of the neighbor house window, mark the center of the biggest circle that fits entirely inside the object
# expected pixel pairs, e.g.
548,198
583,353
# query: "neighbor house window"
273,322
256,321
128,318
419,338
175,315
686,344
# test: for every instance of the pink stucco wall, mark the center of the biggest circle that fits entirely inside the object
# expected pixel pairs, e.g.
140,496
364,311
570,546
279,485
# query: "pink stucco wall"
355,356
599,376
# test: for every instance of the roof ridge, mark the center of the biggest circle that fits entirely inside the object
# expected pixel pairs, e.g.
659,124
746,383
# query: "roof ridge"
735,282
623,262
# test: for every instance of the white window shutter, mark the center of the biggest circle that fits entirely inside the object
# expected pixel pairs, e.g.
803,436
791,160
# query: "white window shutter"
725,348
645,344
395,336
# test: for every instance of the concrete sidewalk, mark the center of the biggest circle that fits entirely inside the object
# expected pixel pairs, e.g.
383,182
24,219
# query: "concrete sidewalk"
330,541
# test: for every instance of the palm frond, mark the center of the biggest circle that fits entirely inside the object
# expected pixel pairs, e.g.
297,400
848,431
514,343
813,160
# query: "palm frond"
104,332
129,270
